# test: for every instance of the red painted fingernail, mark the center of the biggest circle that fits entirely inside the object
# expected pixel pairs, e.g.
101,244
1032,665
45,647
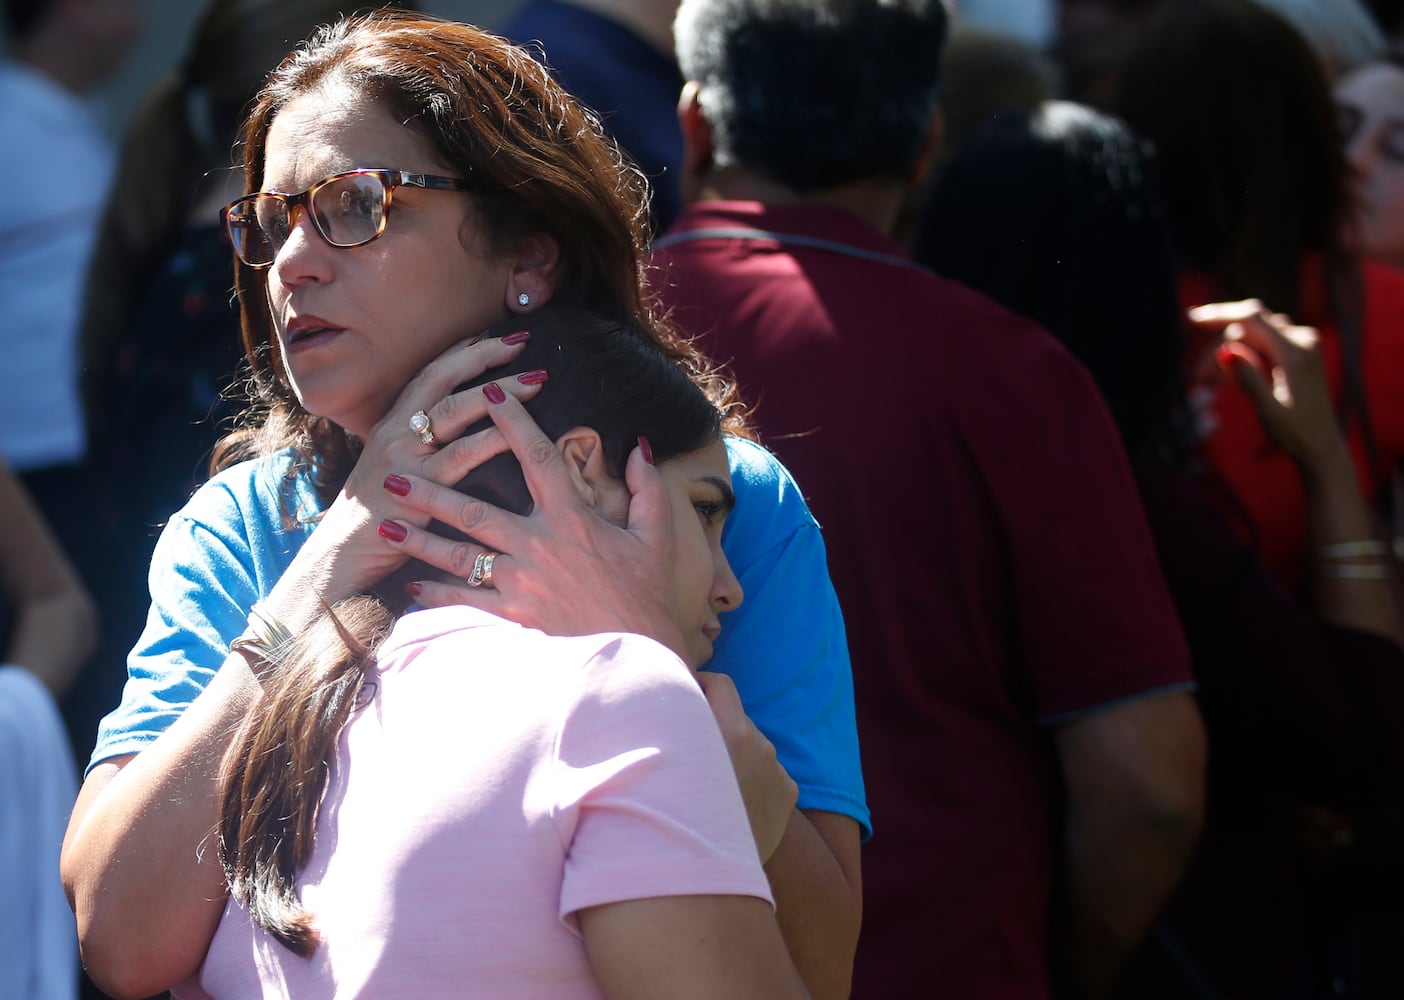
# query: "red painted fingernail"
646,449
533,377
493,393
414,588
1225,356
520,337
393,531
398,485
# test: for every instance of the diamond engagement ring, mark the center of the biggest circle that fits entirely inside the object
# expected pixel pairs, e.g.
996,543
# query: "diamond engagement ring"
482,570
419,424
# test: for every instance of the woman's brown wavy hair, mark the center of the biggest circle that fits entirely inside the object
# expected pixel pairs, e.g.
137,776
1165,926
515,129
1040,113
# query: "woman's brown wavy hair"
540,163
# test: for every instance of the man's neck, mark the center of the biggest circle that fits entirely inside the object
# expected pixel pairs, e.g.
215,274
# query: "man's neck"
651,20
877,202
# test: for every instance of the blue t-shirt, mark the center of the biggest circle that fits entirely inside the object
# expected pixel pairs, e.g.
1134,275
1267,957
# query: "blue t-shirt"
785,647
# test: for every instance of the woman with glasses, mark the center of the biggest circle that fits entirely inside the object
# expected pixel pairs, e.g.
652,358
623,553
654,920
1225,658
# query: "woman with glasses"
417,182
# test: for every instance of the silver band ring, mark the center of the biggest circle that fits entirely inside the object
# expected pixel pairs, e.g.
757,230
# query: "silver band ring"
482,570
419,424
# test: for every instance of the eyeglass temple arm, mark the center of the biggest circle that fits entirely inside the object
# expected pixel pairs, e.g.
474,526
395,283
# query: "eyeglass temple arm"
431,181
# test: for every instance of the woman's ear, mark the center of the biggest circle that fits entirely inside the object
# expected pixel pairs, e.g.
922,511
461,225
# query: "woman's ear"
534,269
589,473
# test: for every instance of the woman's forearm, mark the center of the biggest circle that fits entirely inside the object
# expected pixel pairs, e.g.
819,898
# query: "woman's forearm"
53,635
815,876
140,859
1354,577
56,625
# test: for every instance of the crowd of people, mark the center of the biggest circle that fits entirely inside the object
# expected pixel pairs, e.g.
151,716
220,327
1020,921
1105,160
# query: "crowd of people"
750,498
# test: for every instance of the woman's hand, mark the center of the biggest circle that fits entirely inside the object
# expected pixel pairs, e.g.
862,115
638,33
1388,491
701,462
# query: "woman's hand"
564,568
1279,366
1355,582
347,552
767,789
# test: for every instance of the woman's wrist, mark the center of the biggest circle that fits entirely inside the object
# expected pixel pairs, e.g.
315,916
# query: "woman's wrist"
1328,465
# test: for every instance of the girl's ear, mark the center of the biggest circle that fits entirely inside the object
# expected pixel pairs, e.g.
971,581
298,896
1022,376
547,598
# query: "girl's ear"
584,456
535,266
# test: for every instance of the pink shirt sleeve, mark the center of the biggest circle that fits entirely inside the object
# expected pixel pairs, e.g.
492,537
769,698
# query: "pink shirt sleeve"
645,797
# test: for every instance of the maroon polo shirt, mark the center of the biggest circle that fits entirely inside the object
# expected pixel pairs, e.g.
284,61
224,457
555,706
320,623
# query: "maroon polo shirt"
988,549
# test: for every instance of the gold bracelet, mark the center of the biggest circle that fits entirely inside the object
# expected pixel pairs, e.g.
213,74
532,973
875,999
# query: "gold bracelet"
276,631
1352,550
265,636
1352,571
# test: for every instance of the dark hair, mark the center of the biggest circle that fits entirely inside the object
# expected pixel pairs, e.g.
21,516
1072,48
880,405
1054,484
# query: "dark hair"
984,74
1242,118
1057,215
540,164
602,375
815,93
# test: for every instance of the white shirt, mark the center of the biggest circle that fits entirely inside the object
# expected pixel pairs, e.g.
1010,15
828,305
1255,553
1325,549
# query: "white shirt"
55,174
38,782
1030,21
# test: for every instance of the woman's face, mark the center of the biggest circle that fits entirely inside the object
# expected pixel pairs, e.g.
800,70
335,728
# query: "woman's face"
1371,104
699,485
699,488
355,325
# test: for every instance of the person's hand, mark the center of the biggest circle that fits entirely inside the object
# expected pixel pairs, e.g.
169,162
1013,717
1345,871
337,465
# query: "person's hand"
767,789
562,569
1279,366
349,550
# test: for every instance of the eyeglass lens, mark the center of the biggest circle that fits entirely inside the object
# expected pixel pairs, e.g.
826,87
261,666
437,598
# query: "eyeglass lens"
347,211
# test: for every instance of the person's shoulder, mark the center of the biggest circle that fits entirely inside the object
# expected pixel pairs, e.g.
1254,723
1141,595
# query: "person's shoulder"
964,311
973,335
18,80
752,463
761,479
634,655
607,670
29,98
257,489
250,477
543,662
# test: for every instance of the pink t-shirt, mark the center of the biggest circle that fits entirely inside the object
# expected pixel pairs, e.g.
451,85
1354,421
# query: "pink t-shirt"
497,781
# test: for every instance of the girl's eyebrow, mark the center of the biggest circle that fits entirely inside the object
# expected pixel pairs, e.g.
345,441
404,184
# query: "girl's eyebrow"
728,496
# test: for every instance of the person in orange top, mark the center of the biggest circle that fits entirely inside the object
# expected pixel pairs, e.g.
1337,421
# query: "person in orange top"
1241,113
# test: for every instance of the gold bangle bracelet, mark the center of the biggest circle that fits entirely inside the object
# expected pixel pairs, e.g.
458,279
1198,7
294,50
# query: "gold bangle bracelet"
1352,550
275,631
265,636
1352,571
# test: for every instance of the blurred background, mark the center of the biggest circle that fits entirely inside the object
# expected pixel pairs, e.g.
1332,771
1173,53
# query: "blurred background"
170,24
